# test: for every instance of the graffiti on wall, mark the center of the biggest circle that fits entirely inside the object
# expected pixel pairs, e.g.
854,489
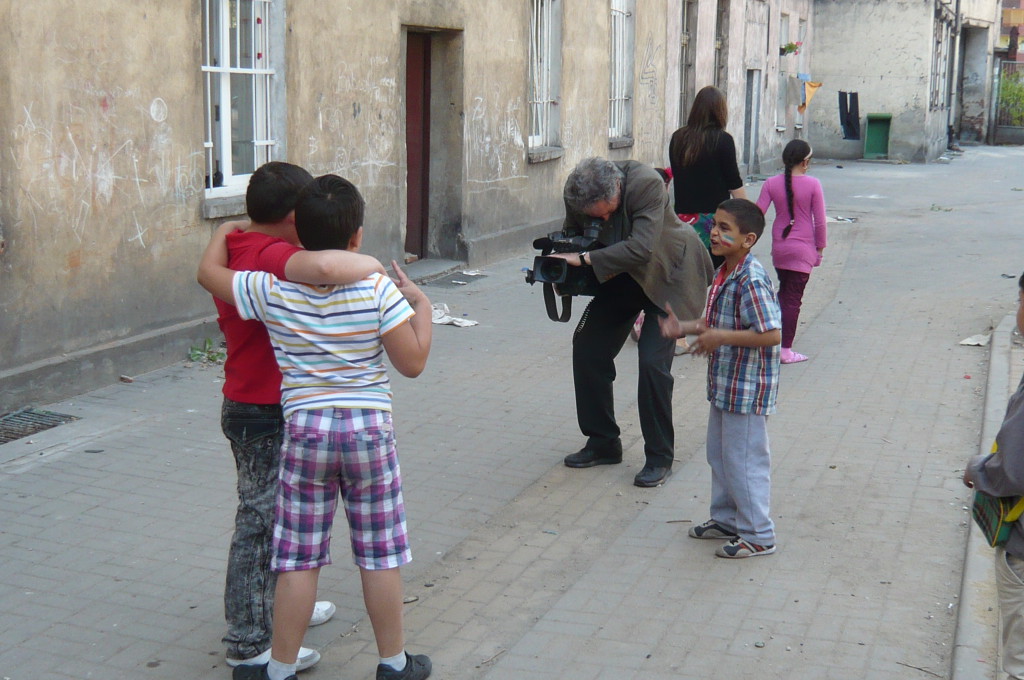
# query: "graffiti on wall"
648,132
649,72
357,126
495,149
78,167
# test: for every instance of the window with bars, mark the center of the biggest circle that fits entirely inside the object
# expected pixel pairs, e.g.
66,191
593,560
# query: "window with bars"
722,46
620,102
687,58
801,37
237,85
545,72
940,62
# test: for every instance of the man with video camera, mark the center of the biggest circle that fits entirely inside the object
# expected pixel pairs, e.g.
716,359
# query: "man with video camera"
644,258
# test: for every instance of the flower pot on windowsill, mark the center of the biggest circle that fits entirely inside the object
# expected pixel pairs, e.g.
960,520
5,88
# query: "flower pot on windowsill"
790,48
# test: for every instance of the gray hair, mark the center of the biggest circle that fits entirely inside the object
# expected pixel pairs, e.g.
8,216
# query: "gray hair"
592,180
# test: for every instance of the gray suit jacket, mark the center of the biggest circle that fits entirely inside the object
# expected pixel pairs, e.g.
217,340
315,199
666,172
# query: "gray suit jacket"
645,239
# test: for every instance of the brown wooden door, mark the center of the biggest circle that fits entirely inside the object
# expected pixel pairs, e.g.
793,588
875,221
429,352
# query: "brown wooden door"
417,140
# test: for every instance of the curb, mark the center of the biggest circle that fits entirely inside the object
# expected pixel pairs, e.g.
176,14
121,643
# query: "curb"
977,621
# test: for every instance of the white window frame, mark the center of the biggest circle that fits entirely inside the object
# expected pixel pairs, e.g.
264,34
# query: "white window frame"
243,56
623,62
545,74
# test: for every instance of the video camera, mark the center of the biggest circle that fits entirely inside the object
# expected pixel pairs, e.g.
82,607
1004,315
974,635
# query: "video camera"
557,275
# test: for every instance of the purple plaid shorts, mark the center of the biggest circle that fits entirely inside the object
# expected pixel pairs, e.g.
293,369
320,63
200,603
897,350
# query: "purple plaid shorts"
346,450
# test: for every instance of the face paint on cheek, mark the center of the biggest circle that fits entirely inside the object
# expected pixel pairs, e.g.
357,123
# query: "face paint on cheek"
726,239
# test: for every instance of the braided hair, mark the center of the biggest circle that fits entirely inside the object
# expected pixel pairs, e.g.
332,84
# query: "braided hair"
793,155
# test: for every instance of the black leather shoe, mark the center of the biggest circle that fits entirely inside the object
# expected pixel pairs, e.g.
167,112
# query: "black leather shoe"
585,457
652,475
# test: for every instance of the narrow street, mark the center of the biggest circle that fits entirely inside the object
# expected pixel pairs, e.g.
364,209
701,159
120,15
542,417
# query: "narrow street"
113,548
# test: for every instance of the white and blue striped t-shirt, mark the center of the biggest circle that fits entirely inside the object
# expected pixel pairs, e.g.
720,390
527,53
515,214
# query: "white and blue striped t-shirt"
327,339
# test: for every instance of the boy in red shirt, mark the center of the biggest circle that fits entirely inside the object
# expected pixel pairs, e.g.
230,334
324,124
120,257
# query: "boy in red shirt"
251,416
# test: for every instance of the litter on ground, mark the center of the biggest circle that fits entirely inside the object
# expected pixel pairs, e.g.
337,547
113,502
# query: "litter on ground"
441,315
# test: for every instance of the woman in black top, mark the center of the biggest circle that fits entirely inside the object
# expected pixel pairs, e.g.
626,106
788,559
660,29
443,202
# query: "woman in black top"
703,157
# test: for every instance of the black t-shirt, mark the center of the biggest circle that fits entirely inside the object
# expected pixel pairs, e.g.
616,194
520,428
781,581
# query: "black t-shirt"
700,187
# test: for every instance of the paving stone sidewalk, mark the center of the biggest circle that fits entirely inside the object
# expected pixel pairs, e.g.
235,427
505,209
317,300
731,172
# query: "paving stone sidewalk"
114,528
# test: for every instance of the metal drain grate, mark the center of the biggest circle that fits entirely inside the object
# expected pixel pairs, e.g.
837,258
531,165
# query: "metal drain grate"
28,421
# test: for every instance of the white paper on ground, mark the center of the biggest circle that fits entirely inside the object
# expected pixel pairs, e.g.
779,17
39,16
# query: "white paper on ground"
980,340
441,315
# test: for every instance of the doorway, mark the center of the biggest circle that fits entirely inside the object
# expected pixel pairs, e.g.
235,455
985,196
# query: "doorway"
751,121
971,123
434,143
417,143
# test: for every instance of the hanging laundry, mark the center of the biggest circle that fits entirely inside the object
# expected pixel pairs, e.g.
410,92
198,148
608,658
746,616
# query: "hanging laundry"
849,114
807,92
809,89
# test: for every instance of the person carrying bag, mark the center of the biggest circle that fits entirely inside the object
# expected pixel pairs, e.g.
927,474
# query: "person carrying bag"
998,481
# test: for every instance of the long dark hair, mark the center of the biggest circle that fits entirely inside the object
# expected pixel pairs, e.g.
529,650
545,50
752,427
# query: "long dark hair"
708,117
793,155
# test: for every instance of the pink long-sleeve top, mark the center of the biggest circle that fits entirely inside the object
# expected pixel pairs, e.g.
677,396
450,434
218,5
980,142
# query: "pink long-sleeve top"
799,251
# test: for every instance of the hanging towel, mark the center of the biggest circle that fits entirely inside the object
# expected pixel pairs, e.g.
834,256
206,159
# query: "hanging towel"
809,89
849,115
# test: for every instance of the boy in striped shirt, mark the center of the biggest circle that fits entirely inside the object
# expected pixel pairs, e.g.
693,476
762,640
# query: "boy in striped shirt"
330,343
740,333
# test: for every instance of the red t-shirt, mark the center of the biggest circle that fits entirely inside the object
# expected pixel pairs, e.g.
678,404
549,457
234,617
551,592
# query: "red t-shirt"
251,375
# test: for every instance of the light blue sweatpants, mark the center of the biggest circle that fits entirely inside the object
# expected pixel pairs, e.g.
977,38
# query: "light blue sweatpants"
740,463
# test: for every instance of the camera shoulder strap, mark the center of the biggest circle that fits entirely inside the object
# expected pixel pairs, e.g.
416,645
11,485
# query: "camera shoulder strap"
552,306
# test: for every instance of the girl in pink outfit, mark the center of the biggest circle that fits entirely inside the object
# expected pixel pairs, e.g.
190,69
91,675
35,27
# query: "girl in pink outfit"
798,234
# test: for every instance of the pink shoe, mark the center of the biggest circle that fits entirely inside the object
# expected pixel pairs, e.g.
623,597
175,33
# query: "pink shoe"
791,357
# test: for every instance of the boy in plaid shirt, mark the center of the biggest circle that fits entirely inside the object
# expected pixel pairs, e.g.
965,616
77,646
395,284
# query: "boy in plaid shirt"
740,333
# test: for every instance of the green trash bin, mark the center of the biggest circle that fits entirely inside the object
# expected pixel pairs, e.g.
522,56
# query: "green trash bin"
876,135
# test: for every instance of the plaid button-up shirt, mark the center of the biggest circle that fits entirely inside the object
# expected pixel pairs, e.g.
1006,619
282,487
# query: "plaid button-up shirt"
744,379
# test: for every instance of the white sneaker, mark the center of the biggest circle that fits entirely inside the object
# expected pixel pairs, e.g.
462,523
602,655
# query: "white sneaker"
322,612
307,658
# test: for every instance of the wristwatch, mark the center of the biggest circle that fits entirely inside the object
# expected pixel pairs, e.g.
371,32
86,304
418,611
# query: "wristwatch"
583,258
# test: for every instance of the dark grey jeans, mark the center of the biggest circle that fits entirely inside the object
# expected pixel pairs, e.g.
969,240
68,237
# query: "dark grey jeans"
255,432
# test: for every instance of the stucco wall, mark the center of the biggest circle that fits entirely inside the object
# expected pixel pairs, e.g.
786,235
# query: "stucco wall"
345,105
882,50
101,175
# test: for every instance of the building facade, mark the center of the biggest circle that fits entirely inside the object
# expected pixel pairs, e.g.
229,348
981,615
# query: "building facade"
130,129
924,63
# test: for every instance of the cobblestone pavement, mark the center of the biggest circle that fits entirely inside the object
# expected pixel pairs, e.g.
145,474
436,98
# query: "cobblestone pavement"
114,528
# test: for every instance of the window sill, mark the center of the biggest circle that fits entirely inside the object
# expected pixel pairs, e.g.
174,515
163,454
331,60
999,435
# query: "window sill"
227,206
780,128
542,154
620,143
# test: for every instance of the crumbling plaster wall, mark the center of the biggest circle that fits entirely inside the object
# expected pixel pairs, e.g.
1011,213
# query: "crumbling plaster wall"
101,174
882,50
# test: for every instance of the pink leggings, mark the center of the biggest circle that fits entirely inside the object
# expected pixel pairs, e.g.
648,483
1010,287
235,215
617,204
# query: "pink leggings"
791,294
